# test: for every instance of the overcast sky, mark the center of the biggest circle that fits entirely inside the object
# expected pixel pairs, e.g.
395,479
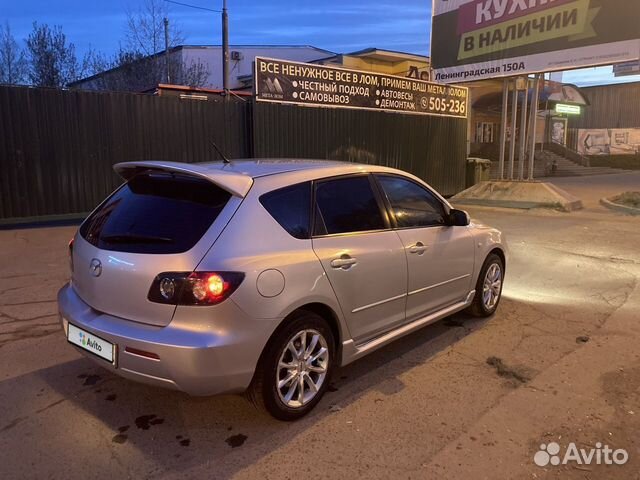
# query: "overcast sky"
337,25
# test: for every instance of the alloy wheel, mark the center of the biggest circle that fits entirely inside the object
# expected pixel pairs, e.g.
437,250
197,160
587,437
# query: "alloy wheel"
302,368
492,286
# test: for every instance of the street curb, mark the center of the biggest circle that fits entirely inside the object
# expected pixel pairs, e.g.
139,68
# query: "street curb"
567,207
605,202
571,203
518,195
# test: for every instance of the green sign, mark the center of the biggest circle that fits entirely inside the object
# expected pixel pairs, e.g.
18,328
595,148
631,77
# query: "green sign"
568,109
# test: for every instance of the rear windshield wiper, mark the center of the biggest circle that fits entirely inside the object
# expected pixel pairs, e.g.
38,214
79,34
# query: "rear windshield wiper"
131,238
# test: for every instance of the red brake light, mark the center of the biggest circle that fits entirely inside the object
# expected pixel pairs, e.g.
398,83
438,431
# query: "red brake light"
216,285
197,288
207,286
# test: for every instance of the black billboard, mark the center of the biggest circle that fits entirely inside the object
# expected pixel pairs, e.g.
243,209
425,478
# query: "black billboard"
282,81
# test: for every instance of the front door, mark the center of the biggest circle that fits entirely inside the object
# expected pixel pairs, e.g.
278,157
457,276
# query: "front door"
440,258
362,257
440,263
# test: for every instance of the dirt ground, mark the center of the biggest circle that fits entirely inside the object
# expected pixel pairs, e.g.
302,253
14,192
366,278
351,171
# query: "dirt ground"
463,398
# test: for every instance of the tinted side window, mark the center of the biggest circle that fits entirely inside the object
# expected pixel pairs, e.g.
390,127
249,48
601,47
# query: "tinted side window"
412,205
347,205
290,207
156,213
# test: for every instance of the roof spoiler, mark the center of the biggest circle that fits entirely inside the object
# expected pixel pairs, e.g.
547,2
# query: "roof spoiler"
234,183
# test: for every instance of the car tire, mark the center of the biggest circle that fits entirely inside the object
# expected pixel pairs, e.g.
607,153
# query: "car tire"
264,391
486,302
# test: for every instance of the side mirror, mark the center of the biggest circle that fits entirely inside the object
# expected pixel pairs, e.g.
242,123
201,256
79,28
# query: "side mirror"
458,218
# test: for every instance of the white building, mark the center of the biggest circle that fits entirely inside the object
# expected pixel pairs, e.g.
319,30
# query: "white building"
240,65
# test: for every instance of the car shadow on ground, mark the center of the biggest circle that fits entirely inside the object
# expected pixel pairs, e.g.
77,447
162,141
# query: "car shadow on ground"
173,432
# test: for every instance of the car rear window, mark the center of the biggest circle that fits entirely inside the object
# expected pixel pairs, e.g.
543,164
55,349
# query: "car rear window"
158,213
290,207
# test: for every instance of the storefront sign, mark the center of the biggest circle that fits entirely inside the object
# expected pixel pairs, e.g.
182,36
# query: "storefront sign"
416,72
478,39
568,109
306,84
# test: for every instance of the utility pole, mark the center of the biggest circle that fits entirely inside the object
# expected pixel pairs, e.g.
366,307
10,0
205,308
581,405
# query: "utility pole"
225,49
166,50
225,40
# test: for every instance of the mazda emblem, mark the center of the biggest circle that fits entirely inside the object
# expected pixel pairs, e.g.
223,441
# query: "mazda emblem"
95,267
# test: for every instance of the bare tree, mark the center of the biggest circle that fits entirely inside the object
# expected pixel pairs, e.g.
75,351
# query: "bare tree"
132,71
13,62
141,63
129,71
52,61
192,74
94,62
145,28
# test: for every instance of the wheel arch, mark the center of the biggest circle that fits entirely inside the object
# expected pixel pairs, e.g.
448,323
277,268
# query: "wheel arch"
327,313
500,253
321,309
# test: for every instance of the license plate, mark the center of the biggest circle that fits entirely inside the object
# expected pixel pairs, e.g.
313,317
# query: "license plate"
91,343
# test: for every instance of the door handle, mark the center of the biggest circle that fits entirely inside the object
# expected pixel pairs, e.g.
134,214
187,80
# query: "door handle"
418,248
345,262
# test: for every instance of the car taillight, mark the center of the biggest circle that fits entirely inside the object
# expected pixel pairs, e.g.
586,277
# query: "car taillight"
197,288
71,254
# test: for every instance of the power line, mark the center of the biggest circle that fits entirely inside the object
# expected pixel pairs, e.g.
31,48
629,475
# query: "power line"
225,38
193,6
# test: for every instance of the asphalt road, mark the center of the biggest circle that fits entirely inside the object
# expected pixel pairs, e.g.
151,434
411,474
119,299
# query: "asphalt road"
463,398
592,189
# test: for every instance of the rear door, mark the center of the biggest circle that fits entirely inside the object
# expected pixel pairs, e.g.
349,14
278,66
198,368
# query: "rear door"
157,222
440,258
363,258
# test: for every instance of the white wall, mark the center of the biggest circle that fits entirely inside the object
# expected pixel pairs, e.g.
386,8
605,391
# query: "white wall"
212,57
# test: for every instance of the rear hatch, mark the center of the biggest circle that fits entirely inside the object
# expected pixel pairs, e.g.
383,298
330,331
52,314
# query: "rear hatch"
161,220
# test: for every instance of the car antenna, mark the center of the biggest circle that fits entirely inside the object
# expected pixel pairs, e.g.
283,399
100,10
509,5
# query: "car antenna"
224,158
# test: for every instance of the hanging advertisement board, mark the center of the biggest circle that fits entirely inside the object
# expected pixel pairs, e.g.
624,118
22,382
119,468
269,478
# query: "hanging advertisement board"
305,84
478,39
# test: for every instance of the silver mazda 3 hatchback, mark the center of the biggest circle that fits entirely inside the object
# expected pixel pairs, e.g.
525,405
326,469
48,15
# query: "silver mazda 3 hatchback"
264,276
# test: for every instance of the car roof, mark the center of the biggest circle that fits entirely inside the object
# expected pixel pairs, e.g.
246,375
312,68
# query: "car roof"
237,176
261,167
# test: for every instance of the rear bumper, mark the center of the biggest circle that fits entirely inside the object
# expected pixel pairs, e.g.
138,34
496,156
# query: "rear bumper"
203,351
